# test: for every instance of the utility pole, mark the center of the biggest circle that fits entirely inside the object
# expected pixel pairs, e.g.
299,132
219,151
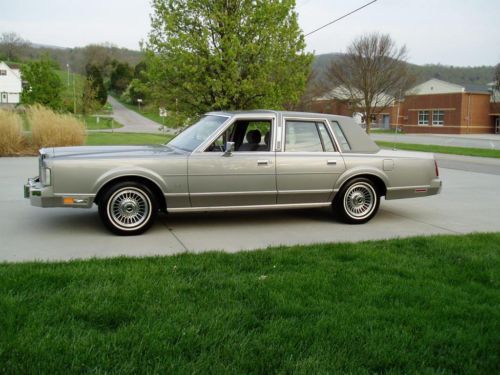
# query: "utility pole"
67,67
74,95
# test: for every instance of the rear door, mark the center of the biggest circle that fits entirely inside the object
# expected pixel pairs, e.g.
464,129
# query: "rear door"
309,163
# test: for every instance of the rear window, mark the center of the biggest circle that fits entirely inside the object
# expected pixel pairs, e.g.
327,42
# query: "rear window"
339,134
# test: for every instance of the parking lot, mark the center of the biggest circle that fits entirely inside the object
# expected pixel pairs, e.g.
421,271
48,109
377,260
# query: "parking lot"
469,202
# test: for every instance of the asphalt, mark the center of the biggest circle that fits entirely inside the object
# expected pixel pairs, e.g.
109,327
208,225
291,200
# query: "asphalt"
489,141
133,122
468,203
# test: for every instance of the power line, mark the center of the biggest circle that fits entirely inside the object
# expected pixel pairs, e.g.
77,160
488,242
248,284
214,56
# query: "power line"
338,19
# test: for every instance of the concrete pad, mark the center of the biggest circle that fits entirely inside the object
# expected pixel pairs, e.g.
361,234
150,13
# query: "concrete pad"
469,202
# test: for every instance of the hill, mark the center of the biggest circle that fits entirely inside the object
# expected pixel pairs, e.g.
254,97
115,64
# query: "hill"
479,75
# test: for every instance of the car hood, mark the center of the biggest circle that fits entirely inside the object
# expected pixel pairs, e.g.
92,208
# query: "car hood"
106,151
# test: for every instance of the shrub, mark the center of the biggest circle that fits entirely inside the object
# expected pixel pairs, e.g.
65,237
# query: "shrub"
51,129
11,133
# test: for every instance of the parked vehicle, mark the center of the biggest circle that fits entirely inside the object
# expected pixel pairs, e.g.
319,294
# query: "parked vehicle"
235,161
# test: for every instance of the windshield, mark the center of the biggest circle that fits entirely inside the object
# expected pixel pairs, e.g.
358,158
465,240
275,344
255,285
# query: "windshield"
196,134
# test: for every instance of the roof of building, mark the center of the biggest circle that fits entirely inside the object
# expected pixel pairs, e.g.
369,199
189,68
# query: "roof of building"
343,93
437,86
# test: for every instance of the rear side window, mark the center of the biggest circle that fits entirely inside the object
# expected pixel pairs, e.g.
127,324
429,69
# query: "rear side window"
307,136
339,134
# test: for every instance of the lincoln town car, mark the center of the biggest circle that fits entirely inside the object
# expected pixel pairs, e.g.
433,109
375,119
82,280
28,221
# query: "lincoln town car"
244,160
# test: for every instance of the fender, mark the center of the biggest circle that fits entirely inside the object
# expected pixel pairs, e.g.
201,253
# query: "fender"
124,172
358,171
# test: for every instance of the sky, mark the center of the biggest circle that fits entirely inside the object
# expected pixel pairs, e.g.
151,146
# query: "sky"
448,32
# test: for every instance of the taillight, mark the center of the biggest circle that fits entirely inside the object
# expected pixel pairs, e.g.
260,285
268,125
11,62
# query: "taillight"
436,167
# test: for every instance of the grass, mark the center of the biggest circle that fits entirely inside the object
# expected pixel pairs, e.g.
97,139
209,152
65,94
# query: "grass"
96,139
385,131
481,152
104,123
421,305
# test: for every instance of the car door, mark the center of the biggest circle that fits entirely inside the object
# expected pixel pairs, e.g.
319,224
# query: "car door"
245,177
309,164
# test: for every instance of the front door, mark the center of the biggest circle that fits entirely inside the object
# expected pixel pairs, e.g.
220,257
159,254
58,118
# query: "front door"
309,165
3,98
245,177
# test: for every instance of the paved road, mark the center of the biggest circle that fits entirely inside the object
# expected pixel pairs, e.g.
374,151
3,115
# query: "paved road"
469,202
132,121
490,141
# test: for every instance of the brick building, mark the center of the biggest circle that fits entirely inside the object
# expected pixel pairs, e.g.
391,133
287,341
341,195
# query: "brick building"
437,106
434,106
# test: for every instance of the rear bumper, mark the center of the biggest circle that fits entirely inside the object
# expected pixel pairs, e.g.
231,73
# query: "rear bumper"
415,191
43,196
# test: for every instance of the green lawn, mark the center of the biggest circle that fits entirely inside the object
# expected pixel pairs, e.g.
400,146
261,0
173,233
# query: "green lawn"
95,139
386,131
104,123
482,152
423,305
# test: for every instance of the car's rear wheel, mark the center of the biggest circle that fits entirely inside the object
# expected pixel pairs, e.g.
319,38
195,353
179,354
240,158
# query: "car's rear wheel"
357,201
128,208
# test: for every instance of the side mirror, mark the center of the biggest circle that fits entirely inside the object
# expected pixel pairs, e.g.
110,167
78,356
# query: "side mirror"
229,149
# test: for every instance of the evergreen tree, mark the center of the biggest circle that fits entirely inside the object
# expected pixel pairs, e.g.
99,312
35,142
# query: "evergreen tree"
94,75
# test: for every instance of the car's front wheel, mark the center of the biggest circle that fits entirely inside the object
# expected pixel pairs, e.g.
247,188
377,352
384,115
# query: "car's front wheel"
357,201
128,208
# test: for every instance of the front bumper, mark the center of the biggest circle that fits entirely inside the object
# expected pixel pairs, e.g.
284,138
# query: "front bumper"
43,196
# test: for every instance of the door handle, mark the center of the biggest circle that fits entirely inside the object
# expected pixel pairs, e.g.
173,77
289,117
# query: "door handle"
331,162
262,162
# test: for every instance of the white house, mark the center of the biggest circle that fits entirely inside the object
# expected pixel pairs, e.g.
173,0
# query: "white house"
10,84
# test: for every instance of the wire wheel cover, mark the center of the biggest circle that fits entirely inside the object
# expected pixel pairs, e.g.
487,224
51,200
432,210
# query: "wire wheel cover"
129,208
359,200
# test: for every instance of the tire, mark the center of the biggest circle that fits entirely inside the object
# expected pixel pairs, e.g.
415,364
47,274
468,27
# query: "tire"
357,201
128,208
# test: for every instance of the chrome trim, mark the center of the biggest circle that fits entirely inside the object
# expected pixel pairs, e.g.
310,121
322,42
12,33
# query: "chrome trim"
224,193
317,191
251,208
69,195
408,187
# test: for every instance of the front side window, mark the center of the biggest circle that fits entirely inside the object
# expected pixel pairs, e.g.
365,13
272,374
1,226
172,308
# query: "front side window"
247,135
423,117
438,117
196,134
307,136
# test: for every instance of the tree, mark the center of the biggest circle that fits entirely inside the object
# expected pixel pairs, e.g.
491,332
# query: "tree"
42,84
12,46
95,77
226,54
88,102
121,75
371,74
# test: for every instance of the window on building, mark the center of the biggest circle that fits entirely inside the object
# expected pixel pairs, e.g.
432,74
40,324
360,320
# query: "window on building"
3,72
437,117
423,117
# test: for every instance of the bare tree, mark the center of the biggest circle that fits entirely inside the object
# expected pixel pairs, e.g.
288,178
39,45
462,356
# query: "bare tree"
372,73
12,46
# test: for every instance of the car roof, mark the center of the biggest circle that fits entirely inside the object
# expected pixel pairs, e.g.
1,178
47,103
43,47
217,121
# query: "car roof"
283,113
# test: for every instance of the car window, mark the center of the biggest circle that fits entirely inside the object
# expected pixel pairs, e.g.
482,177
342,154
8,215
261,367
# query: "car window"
302,136
247,135
325,137
339,134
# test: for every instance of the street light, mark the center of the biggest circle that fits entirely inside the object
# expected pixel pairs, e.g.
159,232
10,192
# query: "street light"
67,67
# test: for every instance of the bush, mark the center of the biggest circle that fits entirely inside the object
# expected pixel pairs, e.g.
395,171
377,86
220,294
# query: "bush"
11,130
51,129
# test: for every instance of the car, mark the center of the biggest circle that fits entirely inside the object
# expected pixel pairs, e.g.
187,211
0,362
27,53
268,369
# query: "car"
235,160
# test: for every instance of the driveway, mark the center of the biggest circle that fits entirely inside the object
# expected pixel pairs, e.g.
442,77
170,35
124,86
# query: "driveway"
133,122
469,203
490,141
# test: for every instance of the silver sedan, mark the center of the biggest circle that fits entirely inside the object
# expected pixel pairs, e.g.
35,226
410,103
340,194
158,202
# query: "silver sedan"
235,161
